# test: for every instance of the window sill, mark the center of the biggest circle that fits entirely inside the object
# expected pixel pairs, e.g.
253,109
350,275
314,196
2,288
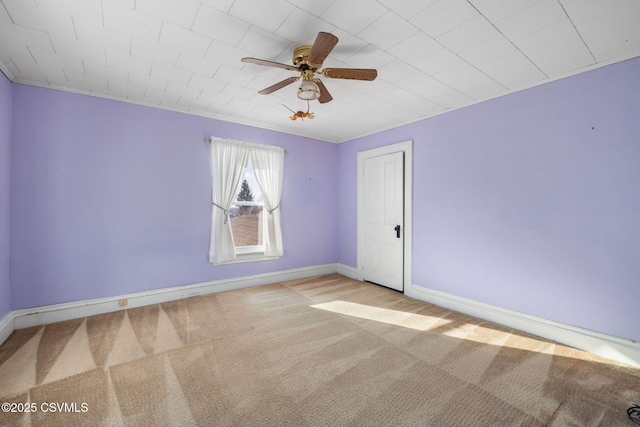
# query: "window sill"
249,257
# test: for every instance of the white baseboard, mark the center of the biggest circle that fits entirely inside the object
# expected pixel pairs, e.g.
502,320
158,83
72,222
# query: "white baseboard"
346,270
622,350
6,326
24,318
614,348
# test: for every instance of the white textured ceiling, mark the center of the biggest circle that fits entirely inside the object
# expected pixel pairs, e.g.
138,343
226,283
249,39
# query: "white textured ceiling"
431,55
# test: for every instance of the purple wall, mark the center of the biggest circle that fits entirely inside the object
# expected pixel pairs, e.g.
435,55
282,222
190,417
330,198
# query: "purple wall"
529,201
5,154
111,198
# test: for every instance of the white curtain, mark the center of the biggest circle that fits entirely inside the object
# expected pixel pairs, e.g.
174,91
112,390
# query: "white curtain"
228,164
268,165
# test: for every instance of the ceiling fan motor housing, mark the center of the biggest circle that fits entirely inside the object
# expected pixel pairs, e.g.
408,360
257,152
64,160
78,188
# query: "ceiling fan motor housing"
301,58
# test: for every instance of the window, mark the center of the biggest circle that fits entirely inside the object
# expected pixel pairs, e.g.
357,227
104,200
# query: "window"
247,216
246,185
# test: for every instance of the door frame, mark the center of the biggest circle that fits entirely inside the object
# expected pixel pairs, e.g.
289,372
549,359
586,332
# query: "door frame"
407,148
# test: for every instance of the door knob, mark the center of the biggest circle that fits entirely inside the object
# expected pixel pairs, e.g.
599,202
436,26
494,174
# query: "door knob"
397,228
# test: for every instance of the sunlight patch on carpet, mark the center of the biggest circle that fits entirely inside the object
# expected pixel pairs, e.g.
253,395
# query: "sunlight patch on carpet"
478,333
418,322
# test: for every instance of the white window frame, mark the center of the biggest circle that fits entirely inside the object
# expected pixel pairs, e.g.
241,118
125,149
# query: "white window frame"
255,252
253,249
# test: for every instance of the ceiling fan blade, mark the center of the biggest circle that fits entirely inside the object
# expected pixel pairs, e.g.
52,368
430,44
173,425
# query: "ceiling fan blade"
325,96
279,85
350,73
321,48
269,63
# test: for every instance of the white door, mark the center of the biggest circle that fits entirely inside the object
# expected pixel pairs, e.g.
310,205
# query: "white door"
383,251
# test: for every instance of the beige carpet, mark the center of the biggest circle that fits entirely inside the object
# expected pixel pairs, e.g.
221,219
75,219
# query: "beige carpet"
323,351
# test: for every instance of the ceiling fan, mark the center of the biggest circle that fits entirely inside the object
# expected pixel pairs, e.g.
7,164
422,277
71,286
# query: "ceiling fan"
307,60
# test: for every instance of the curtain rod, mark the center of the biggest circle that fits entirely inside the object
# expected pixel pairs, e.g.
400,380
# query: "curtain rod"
209,140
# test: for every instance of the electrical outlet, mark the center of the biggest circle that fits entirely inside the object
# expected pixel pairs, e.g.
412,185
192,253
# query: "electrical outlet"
122,302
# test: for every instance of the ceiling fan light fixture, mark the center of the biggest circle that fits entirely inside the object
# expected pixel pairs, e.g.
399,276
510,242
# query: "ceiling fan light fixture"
307,60
308,90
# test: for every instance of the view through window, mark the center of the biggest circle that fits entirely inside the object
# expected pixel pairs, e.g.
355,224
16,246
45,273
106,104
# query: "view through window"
247,215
